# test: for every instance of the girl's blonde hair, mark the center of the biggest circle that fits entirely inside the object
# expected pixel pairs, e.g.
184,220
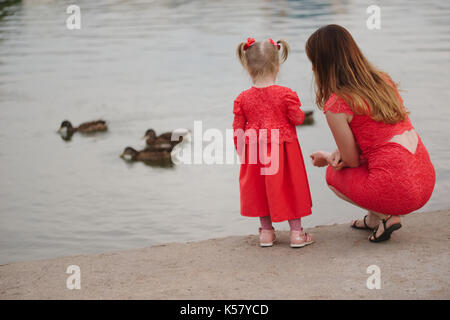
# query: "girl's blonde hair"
261,58
340,67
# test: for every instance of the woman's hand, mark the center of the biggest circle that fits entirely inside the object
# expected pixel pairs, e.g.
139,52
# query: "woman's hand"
336,161
335,158
320,158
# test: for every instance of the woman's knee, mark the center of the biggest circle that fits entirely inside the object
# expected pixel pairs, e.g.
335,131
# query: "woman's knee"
332,177
329,180
333,189
328,177
340,194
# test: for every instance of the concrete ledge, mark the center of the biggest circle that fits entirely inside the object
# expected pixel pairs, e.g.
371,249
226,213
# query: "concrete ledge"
414,265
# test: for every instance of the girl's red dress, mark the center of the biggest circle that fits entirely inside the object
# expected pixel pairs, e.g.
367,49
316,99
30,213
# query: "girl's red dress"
390,179
284,195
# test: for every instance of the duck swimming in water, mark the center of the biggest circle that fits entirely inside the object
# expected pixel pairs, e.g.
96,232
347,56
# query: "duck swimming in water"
163,141
67,130
309,119
145,155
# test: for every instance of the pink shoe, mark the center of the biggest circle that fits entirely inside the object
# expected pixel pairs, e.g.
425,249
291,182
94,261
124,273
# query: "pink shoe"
266,237
300,239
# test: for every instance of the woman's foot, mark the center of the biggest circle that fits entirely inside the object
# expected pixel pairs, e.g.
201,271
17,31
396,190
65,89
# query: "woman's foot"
369,222
266,237
385,228
300,239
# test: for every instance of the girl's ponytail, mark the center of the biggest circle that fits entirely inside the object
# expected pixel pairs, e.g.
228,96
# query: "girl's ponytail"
285,47
241,54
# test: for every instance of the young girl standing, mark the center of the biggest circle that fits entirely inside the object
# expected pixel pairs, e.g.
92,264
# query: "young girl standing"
270,113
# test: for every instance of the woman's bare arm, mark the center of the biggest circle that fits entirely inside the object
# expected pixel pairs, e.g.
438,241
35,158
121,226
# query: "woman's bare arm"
343,135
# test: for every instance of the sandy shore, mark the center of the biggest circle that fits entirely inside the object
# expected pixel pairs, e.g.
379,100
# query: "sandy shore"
414,264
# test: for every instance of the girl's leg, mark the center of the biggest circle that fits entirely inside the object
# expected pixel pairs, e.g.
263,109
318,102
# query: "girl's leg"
266,223
266,232
295,224
298,237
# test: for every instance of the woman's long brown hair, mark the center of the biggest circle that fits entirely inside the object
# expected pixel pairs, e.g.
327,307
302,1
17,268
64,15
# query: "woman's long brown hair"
340,67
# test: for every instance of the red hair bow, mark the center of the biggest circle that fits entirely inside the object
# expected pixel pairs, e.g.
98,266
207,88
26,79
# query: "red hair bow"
274,43
250,41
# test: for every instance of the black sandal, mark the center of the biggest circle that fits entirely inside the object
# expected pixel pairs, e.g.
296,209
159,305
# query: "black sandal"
386,235
366,227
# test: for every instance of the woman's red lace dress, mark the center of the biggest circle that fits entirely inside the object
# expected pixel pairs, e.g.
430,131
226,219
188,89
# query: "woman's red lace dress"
284,195
390,179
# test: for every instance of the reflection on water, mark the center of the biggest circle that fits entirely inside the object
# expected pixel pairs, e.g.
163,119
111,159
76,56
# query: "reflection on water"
165,64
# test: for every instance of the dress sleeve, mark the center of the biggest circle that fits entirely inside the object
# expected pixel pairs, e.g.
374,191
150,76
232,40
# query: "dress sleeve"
239,121
239,117
295,115
337,104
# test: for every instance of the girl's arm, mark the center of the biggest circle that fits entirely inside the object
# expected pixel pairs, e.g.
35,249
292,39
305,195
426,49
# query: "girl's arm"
295,115
239,121
343,135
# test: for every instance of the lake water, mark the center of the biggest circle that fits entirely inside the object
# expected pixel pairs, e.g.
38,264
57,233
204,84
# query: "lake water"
163,65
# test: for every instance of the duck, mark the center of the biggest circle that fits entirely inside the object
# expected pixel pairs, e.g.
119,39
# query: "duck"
131,154
309,119
67,129
163,142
